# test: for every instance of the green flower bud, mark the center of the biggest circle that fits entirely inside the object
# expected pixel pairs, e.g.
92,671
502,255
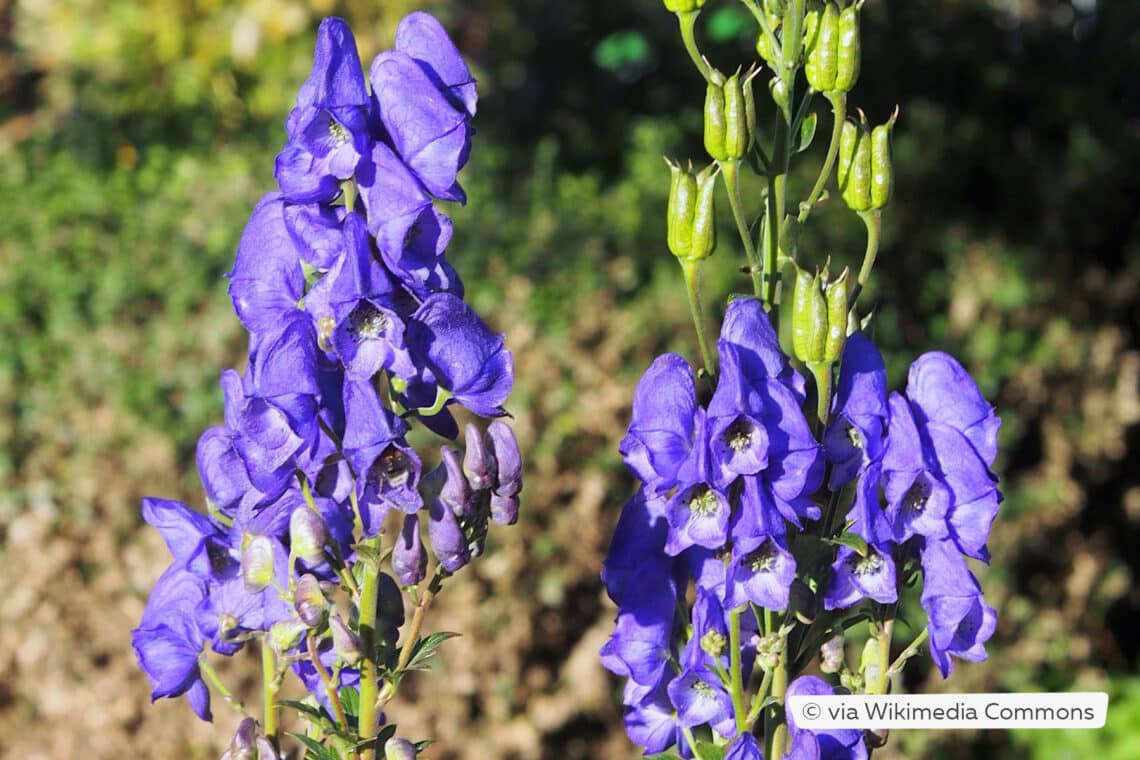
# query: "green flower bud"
779,90
690,217
402,749
345,642
849,56
821,41
284,635
853,169
730,115
683,6
256,562
882,173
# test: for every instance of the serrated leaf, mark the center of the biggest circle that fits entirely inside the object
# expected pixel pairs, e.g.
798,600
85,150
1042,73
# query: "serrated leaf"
316,750
807,132
425,649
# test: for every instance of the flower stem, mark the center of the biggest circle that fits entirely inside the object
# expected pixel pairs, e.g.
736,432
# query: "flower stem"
758,700
692,271
731,172
326,679
883,656
839,109
269,686
779,734
688,21
369,675
910,651
821,371
736,670
216,681
873,219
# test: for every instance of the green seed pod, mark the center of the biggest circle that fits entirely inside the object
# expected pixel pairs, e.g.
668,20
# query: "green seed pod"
683,6
690,227
835,293
809,318
882,173
848,59
716,126
821,40
764,48
738,120
779,93
853,169
679,213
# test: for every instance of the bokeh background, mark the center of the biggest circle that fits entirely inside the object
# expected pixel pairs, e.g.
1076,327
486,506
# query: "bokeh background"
136,135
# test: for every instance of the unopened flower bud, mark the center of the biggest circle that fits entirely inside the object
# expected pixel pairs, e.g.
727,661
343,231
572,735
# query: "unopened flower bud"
447,539
730,115
284,635
409,559
257,564
478,462
457,492
345,642
508,460
853,682
309,601
307,535
399,749
504,509
249,743
690,218
831,654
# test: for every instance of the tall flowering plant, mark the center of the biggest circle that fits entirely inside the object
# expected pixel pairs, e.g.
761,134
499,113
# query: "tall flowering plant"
313,542
775,515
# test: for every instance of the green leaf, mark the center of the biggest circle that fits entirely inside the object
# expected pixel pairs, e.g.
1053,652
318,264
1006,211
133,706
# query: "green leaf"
425,649
807,132
709,751
315,715
852,541
350,701
316,750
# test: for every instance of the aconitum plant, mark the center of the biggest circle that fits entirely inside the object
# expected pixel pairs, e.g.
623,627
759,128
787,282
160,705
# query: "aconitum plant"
778,520
312,544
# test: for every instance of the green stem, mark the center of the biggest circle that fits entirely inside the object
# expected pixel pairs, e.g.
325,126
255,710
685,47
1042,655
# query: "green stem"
873,219
839,109
692,273
215,680
736,670
777,203
910,651
369,676
883,656
779,734
269,687
731,172
688,21
327,680
758,700
821,371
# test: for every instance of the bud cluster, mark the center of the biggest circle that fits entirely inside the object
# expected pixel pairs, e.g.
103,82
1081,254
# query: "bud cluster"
358,330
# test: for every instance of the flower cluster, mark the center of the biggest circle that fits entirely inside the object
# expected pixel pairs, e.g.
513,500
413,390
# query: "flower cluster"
724,514
358,329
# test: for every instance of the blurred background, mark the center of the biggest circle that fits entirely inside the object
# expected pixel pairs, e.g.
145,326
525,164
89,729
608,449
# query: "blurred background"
136,135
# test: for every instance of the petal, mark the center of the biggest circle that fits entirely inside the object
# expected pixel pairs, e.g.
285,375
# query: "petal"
945,392
422,37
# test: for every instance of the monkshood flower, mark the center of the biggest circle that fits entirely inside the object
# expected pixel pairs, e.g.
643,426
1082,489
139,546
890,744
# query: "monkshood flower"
942,441
960,622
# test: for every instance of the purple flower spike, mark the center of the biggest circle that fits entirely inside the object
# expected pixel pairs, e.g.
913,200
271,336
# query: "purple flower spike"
457,494
409,560
462,354
423,38
430,134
